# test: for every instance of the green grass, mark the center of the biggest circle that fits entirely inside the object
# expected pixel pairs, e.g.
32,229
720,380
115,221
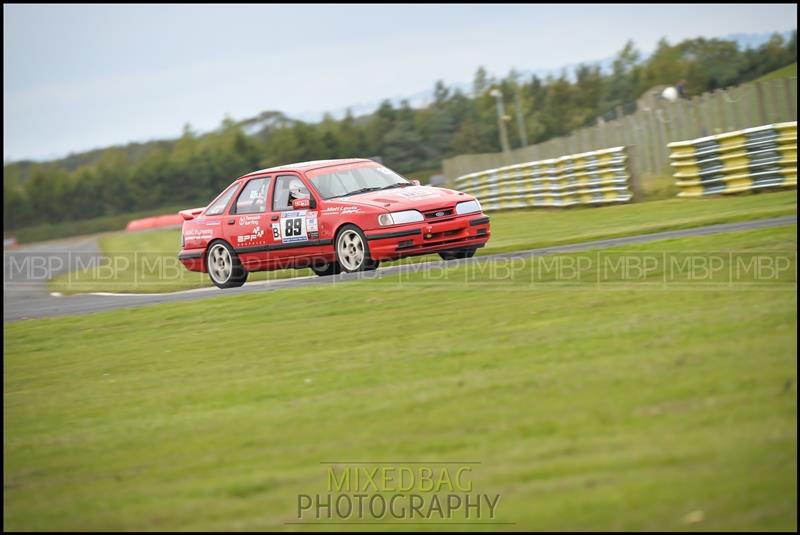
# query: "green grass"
783,72
588,407
146,262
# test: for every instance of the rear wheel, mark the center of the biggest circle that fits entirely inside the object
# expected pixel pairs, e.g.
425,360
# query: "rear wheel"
352,251
324,270
454,255
224,267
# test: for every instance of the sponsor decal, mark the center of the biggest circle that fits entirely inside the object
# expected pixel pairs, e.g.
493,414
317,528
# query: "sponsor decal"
257,233
249,220
198,233
311,222
418,191
341,210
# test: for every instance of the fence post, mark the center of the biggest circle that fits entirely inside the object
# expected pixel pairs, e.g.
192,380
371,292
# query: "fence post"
781,107
749,106
675,121
725,124
762,109
629,142
787,90
684,121
652,134
662,139
735,99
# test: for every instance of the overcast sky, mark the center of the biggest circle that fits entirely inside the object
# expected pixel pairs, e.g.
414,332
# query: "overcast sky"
87,76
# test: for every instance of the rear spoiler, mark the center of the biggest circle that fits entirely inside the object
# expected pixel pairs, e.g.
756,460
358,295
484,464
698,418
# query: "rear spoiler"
191,213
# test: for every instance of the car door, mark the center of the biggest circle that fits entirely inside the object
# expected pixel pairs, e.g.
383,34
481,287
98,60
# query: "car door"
247,226
296,230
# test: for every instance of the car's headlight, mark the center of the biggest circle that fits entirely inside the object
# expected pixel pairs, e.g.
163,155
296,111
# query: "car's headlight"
398,218
468,207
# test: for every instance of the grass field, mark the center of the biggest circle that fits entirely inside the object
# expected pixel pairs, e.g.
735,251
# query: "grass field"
588,406
783,72
139,257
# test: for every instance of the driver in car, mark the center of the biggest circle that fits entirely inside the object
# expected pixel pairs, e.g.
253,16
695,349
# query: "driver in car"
297,190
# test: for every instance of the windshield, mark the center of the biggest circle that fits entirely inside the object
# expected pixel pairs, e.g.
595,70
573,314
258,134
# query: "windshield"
356,180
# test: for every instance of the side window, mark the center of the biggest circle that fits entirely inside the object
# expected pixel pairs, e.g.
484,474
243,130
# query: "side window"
222,201
287,188
253,198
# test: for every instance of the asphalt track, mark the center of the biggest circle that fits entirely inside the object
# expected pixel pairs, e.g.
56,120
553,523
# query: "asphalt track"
30,298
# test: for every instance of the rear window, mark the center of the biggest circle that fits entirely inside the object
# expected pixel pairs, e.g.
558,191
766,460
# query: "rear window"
218,206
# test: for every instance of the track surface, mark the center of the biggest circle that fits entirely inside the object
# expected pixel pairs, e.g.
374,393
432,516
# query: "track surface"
30,299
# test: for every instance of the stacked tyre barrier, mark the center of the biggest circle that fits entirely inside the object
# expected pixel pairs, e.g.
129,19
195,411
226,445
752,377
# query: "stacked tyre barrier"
596,177
745,160
148,223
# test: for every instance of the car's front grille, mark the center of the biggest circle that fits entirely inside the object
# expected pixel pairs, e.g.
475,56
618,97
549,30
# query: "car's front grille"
439,213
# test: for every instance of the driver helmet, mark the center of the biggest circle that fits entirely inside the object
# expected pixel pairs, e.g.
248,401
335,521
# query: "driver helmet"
298,190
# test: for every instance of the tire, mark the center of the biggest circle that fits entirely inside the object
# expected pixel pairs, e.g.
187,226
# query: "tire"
454,255
352,250
326,270
224,267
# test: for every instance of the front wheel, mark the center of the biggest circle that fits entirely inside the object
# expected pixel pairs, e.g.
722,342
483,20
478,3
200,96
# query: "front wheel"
352,251
454,255
224,267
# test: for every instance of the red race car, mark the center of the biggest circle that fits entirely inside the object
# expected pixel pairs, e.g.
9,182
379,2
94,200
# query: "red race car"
331,216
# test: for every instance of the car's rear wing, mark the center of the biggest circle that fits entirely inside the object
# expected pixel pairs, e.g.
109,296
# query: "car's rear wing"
191,213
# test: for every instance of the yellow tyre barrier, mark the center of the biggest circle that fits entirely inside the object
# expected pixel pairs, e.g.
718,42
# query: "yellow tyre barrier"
744,160
596,177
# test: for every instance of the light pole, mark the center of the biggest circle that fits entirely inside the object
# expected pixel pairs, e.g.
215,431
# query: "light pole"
501,119
523,134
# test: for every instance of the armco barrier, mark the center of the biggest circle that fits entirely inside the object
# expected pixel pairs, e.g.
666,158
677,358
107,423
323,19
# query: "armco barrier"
596,177
162,221
749,159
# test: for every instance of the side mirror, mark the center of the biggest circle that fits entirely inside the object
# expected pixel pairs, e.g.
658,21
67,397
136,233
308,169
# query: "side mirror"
301,204
415,182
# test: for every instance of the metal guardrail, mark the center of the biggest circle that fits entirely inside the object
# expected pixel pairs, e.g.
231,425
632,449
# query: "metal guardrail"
743,160
596,177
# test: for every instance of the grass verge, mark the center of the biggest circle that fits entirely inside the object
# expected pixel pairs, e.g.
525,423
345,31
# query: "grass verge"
609,406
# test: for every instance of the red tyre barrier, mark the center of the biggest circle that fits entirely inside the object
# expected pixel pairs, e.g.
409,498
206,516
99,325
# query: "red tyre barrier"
169,220
162,221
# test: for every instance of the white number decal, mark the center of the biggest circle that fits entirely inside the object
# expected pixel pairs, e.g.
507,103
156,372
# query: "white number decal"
293,226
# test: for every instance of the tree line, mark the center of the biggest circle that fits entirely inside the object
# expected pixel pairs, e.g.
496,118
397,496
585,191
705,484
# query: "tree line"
190,170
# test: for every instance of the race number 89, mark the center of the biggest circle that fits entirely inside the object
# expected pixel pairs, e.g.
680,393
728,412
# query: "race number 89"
293,227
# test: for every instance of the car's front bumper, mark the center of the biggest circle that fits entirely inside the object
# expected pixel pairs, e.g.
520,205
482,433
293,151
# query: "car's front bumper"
425,237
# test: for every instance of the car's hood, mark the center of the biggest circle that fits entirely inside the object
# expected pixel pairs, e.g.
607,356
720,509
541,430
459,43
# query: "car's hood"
411,197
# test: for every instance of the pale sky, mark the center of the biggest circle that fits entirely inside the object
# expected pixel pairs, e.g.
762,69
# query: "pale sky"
87,76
